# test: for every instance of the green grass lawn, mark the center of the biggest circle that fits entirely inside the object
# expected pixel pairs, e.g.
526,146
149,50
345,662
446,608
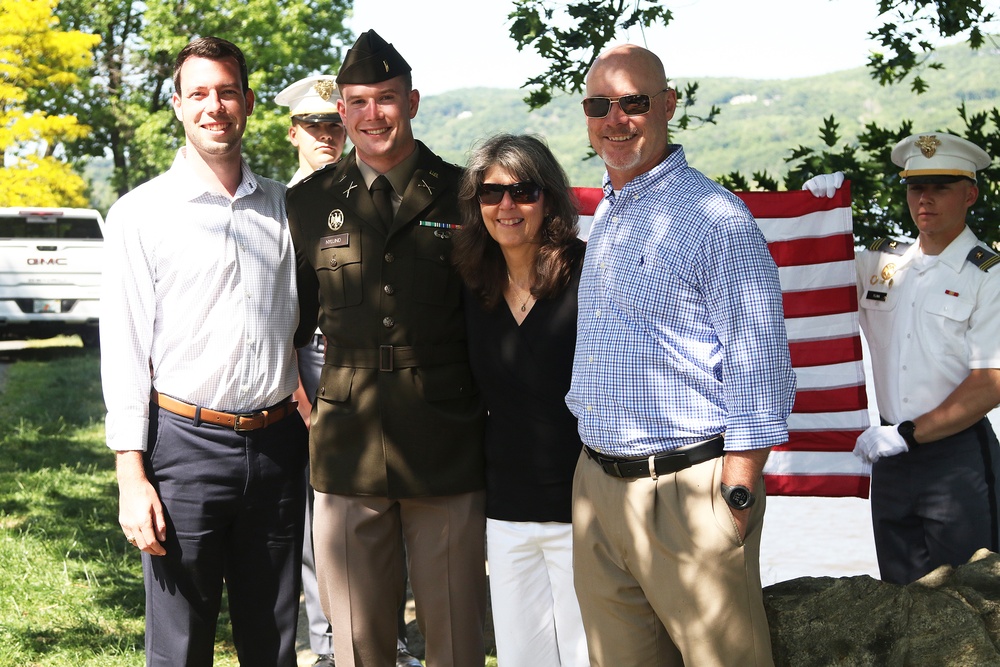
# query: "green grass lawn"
70,586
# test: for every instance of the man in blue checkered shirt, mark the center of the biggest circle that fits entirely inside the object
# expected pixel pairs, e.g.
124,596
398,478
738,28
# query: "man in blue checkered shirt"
681,383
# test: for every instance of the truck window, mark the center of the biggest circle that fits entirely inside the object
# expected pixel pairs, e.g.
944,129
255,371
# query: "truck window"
49,227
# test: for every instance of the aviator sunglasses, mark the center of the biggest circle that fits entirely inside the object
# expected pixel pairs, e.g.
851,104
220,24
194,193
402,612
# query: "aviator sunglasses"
631,105
524,192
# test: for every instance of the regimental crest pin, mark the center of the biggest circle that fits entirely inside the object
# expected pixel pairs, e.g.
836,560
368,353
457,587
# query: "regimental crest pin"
928,145
324,88
888,271
386,66
336,219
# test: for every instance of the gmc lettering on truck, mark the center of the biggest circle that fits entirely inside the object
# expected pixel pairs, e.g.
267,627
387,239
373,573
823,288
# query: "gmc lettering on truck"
50,272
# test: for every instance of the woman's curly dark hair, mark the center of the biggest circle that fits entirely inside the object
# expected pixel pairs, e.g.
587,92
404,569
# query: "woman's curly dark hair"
478,257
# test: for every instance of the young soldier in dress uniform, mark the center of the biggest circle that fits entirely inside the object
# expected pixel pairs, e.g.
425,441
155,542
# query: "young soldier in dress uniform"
396,441
931,312
318,134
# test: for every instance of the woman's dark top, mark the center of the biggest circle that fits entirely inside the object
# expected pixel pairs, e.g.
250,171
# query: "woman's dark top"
524,373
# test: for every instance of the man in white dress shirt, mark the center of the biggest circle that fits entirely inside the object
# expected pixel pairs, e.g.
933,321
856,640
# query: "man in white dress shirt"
198,311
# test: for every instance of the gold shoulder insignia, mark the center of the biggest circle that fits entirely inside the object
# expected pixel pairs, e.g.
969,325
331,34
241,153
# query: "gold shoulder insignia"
892,246
982,258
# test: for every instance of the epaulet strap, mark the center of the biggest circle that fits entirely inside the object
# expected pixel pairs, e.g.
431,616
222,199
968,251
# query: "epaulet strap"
885,244
314,174
984,259
326,167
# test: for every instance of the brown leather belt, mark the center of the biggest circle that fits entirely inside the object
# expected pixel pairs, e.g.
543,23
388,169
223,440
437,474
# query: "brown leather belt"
250,421
658,464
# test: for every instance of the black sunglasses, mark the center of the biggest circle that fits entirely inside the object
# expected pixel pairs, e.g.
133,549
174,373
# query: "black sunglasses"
631,105
525,192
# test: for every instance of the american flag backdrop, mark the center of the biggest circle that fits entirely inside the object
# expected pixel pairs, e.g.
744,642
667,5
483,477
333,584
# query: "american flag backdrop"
812,242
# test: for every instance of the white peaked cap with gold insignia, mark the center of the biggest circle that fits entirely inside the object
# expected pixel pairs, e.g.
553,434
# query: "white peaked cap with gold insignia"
312,99
938,156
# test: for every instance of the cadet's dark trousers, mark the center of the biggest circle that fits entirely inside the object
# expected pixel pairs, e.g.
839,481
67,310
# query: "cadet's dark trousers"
310,361
234,504
936,504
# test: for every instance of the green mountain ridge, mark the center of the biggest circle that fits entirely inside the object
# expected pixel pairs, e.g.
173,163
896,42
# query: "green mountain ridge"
761,120
760,123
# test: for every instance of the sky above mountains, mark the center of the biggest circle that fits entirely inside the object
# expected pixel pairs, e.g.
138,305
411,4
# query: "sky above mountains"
465,43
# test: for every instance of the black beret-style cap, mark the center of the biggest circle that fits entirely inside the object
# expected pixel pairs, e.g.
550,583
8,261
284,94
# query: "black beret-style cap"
371,60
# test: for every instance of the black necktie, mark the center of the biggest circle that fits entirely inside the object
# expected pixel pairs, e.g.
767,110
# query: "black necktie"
383,204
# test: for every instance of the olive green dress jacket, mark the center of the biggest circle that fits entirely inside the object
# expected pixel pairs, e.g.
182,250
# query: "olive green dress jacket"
396,414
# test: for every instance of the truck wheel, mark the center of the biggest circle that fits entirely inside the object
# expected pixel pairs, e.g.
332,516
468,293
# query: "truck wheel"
91,337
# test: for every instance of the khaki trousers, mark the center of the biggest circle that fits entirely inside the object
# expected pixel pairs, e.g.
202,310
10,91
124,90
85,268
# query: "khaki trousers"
661,574
359,564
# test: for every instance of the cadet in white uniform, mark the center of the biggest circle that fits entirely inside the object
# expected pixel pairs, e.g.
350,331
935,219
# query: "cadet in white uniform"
931,313
318,134
317,130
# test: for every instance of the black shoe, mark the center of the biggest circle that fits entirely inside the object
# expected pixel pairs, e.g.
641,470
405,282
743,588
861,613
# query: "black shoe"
325,660
405,659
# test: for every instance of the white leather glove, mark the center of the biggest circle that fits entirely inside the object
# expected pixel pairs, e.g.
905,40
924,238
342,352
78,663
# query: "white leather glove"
824,185
878,442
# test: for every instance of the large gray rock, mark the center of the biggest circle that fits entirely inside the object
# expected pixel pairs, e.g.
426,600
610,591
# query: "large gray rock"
949,618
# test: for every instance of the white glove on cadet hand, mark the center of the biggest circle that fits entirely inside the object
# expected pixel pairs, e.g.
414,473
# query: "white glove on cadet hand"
878,442
824,185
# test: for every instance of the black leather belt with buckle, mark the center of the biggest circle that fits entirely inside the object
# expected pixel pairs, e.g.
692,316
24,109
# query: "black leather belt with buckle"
655,465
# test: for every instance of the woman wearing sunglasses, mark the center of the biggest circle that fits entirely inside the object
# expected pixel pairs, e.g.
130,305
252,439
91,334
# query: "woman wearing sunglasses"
520,257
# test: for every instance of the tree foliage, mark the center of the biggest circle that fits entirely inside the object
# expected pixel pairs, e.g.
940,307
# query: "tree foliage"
908,48
879,202
128,98
35,55
906,37
572,42
571,39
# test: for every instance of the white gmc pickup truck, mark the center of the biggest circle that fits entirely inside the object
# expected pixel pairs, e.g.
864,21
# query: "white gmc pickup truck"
50,272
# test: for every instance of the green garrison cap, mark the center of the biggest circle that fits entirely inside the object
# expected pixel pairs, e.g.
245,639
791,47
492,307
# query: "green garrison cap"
371,60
